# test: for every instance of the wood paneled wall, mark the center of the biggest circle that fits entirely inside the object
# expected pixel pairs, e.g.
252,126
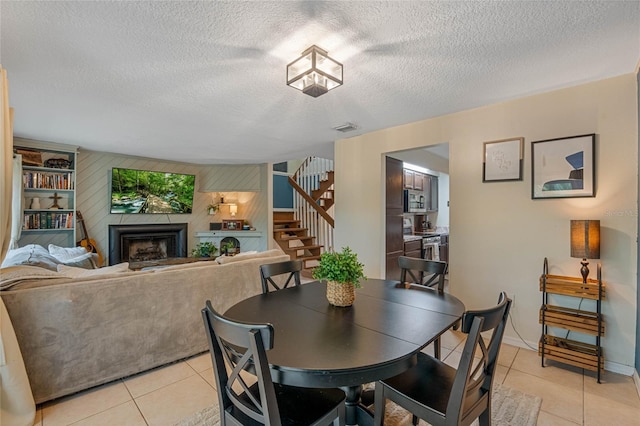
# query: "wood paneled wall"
232,181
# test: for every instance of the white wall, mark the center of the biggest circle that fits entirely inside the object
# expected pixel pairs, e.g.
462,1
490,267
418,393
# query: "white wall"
499,235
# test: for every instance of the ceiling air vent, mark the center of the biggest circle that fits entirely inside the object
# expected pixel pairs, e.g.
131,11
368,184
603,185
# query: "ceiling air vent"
346,127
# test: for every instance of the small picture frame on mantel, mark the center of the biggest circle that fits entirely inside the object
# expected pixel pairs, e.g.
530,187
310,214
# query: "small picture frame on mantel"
502,160
232,224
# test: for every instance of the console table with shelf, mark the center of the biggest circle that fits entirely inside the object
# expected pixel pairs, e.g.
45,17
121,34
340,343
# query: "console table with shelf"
584,321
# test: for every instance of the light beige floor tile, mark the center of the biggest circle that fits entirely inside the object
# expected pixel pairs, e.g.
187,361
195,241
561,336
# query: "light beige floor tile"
155,379
529,362
208,376
174,402
606,411
501,374
507,354
548,419
452,339
558,399
613,386
200,362
37,421
126,414
85,404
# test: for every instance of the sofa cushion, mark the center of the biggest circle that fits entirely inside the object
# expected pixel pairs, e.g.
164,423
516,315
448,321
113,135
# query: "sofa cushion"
13,275
73,256
73,272
248,255
32,255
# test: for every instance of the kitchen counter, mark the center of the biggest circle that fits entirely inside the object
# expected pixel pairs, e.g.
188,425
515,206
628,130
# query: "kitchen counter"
411,237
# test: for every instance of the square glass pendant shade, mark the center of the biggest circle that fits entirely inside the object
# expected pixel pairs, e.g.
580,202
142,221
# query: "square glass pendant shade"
314,73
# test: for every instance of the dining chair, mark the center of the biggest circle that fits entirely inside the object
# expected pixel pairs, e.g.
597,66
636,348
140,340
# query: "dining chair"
270,270
428,273
246,394
443,395
422,271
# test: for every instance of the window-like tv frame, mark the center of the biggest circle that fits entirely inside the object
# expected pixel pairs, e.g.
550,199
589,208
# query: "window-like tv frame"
150,192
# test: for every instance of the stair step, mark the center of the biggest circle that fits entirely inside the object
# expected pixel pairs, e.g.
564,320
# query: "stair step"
290,229
296,237
311,247
286,221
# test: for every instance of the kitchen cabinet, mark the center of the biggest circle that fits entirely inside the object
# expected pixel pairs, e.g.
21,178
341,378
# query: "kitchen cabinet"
444,247
407,178
431,192
413,248
586,321
394,242
413,180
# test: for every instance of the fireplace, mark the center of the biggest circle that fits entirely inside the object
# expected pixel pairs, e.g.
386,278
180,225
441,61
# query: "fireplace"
137,243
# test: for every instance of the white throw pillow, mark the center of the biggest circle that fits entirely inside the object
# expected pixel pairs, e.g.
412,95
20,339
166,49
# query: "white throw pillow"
72,272
68,254
31,254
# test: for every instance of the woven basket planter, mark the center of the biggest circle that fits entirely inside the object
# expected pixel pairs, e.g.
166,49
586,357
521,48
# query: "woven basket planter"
339,294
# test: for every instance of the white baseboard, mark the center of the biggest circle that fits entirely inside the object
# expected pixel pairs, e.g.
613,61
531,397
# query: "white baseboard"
614,367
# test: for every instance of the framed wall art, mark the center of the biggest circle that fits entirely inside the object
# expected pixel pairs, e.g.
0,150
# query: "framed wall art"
563,167
503,160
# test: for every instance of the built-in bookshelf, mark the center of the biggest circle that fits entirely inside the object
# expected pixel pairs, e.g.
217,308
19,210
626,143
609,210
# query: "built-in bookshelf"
49,192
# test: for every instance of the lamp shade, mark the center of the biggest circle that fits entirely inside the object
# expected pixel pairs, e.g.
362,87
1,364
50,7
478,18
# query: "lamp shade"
585,239
233,209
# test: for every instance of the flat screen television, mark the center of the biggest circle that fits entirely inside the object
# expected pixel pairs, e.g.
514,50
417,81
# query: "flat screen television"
143,191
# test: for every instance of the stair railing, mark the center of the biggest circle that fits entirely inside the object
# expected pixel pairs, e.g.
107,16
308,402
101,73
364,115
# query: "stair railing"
311,215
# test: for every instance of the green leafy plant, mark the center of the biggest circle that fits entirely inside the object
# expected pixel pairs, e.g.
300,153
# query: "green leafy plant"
205,249
229,247
342,267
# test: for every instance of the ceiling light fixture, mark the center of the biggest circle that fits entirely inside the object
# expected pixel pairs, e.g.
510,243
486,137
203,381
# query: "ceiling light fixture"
314,72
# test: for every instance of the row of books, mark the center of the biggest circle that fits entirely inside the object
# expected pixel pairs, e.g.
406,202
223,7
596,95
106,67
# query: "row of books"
42,180
48,220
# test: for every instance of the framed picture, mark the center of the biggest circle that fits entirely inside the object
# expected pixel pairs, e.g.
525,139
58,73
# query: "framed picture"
503,160
563,167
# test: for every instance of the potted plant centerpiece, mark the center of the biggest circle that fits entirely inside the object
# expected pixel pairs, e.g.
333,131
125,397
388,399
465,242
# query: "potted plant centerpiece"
343,272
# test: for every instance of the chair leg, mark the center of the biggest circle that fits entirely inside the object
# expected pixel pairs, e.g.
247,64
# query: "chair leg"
414,420
379,405
485,417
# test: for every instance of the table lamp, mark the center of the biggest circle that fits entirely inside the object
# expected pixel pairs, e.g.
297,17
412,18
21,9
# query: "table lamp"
233,209
585,243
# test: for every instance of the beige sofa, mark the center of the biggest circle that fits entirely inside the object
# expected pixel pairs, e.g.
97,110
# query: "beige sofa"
78,330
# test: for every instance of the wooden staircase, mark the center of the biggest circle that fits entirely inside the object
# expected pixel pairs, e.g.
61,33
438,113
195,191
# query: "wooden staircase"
323,196
298,232
294,240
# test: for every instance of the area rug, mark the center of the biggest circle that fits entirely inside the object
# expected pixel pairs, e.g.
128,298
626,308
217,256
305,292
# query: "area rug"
510,408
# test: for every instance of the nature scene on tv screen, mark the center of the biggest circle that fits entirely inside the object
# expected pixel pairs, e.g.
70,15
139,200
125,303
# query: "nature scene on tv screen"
140,191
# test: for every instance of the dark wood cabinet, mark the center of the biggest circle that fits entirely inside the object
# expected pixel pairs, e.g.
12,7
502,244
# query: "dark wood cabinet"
407,178
432,193
394,243
413,248
444,247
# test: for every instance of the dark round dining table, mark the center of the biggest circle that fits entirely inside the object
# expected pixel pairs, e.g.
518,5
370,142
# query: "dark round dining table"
320,345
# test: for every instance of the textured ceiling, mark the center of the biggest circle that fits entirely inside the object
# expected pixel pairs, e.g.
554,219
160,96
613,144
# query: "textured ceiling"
204,82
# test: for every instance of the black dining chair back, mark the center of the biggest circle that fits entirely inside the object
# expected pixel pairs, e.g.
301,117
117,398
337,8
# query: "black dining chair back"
443,395
429,273
271,270
246,392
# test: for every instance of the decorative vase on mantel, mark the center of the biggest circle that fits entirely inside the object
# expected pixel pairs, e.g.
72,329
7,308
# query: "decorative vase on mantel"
339,294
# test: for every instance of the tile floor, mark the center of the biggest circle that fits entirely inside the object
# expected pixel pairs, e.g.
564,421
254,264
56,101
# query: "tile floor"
166,395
